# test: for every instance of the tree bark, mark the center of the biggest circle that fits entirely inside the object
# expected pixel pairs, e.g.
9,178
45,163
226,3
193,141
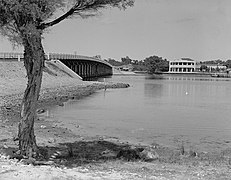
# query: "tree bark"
34,57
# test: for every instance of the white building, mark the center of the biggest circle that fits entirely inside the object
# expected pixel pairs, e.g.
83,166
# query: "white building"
183,65
215,67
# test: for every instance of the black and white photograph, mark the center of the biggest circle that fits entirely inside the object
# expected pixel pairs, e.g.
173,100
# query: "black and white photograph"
115,89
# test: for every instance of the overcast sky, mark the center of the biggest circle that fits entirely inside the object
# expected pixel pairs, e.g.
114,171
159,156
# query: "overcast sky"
198,29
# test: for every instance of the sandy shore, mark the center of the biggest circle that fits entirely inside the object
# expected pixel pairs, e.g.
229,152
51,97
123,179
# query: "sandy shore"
88,157
55,90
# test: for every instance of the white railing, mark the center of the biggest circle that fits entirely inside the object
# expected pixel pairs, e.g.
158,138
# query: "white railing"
67,56
48,56
54,56
11,55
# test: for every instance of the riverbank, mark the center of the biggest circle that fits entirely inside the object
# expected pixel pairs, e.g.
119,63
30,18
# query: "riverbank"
71,156
57,88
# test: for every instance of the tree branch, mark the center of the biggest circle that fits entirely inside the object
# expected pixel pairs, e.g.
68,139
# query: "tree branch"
61,18
83,7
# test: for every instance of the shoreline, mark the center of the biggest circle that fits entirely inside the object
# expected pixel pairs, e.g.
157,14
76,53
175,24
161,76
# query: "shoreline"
50,97
94,157
55,91
168,164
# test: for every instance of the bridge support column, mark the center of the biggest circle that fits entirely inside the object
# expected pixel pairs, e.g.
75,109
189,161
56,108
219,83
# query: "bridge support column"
79,68
82,69
85,69
88,68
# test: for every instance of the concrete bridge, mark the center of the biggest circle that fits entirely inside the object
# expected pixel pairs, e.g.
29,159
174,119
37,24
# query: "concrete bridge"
85,67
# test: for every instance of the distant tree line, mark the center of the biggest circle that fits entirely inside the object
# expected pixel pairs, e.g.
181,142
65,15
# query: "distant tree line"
205,65
150,64
220,62
228,63
154,64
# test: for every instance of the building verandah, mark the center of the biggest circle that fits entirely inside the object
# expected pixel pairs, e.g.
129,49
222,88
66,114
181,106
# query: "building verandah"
183,65
182,70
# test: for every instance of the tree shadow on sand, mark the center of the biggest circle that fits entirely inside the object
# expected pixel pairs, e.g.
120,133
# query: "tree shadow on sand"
81,153
85,152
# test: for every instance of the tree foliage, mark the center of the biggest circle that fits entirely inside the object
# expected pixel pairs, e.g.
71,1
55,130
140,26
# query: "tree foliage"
24,22
156,64
228,63
113,62
150,64
218,61
126,60
16,15
204,68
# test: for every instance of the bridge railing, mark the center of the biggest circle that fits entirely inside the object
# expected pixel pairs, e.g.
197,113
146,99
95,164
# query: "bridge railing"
53,56
68,56
48,56
11,55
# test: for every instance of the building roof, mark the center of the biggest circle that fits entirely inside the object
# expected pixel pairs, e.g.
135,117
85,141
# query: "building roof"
183,59
187,59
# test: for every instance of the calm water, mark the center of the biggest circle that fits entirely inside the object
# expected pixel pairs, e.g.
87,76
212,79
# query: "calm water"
169,111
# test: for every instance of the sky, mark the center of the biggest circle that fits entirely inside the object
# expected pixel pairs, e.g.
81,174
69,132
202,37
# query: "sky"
172,29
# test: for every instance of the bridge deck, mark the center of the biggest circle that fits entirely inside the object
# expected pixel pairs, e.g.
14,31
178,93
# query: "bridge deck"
84,66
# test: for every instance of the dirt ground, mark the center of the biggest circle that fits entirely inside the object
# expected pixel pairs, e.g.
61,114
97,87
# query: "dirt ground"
70,156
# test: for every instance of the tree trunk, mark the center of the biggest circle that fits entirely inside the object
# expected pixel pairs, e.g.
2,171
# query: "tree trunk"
34,62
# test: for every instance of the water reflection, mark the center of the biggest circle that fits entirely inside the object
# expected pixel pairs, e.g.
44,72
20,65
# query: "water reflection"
194,78
153,90
175,78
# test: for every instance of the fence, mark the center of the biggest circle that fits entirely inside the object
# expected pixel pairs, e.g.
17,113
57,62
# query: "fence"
52,56
48,56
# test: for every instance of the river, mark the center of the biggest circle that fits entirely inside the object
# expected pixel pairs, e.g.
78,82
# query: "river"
172,110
